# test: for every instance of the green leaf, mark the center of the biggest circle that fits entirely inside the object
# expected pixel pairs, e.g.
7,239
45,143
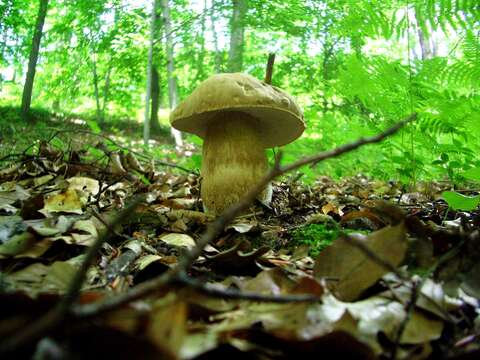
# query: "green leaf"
472,174
95,152
461,202
58,143
93,125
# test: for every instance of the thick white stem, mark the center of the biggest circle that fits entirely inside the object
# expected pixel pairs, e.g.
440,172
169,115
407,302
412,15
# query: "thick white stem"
234,161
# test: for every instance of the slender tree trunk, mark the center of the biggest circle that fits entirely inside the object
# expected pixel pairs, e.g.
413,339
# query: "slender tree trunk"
425,48
95,88
155,100
434,47
218,55
201,41
32,62
172,80
2,51
237,26
106,85
327,53
146,119
106,91
424,45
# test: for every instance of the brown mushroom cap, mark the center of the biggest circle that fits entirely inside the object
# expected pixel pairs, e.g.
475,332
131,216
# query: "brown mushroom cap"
280,118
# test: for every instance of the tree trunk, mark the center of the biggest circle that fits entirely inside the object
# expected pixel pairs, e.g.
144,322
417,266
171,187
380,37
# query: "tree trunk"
32,62
201,40
2,51
424,45
327,53
146,119
155,100
423,41
172,80
106,85
237,26
106,91
434,45
95,88
218,55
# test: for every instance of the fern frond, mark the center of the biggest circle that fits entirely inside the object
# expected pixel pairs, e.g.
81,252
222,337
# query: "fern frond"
436,14
466,72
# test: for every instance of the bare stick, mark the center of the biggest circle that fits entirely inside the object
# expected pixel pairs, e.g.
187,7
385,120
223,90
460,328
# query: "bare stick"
232,294
408,315
215,228
269,71
55,316
315,159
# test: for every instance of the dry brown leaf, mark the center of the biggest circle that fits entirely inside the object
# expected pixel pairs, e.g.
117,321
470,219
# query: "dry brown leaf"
168,324
353,269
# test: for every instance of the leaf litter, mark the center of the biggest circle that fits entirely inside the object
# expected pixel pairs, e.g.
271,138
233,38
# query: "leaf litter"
400,279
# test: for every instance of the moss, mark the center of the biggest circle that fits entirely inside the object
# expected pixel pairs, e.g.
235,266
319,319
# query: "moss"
316,236
319,236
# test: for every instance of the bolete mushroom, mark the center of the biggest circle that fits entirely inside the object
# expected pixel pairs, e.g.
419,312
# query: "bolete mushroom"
238,117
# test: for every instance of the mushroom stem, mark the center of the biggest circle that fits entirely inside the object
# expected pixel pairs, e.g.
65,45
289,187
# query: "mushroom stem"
234,160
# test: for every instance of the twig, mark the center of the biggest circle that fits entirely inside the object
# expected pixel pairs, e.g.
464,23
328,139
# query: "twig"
360,142
232,294
408,315
58,314
269,71
215,228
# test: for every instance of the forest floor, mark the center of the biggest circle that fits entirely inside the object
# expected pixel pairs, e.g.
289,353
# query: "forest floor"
357,268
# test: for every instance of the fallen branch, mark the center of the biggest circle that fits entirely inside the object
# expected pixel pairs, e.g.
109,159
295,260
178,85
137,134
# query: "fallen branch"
233,294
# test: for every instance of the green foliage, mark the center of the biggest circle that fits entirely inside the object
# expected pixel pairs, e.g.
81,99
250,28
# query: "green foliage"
473,174
458,201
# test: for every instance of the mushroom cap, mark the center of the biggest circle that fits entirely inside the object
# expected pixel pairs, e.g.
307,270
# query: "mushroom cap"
279,118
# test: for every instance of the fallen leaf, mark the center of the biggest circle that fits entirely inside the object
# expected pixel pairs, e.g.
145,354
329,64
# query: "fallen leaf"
67,201
50,226
168,324
236,261
17,244
84,184
242,227
179,240
354,270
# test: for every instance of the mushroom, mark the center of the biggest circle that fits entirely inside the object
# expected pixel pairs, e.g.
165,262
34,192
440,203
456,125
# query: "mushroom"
238,117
